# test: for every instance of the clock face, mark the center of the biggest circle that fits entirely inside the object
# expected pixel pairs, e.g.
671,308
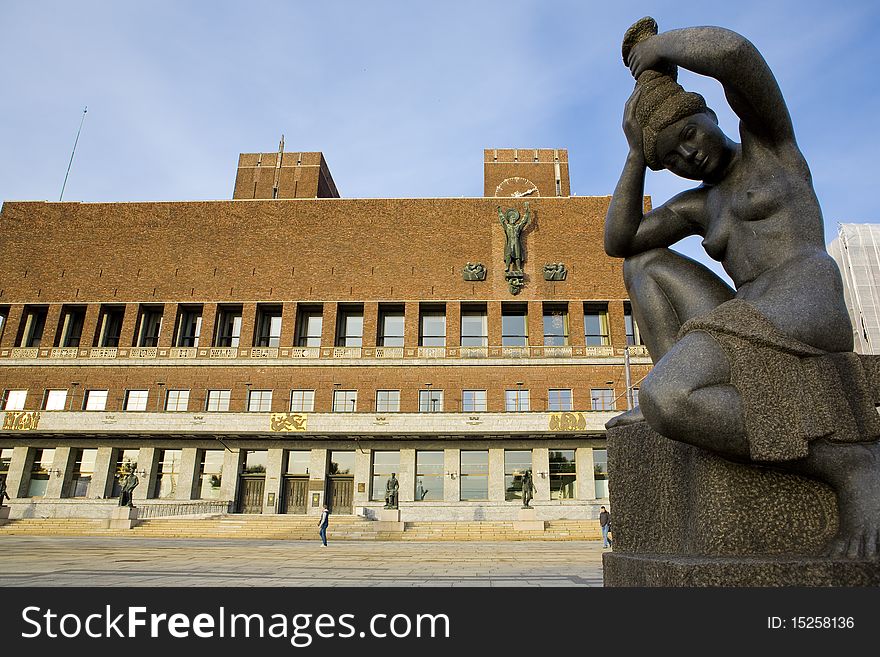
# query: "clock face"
517,187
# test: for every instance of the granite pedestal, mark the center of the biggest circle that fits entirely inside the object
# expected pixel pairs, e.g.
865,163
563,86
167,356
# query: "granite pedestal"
527,521
389,520
685,517
123,517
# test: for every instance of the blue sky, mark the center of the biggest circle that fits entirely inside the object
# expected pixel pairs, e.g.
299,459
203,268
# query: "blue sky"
401,96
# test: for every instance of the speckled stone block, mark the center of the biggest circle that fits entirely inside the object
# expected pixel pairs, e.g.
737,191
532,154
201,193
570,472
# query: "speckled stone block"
685,517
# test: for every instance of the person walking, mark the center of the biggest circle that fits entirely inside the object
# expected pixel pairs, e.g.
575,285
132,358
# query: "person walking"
605,523
322,524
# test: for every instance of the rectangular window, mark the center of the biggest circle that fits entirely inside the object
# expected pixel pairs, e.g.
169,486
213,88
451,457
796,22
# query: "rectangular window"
302,401
39,481
56,400
563,474
95,400
430,401
432,326
136,400
384,465
167,473
596,324
70,326
635,396
109,326
148,327
5,461
228,326
602,399
298,462
254,461
600,472
473,401
516,463
33,321
126,461
13,400
388,401
555,325
516,400
391,326
308,326
189,326
429,476
259,401
345,401
83,471
177,400
474,326
268,333
559,400
210,474
632,329
350,326
474,475
341,463
218,400
514,325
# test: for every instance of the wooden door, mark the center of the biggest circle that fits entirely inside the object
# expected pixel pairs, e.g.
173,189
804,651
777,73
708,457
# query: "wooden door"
250,495
296,493
341,495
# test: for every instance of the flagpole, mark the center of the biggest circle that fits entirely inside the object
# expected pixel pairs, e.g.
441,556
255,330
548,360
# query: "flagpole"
76,141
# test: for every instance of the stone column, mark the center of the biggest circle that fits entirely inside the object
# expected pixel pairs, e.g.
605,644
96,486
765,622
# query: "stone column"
407,475
59,479
129,326
328,327
147,462
274,477
229,476
541,463
496,475
248,325
209,327
186,478
493,310
317,480
453,324
371,323
102,478
90,326
53,317
451,463
586,482
362,460
576,324
411,325
18,476
288,323
169,323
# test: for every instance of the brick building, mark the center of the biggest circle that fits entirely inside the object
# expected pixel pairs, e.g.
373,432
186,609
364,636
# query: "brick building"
289,347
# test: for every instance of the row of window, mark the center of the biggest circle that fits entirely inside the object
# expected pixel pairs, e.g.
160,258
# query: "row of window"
303,401
309,325
429,482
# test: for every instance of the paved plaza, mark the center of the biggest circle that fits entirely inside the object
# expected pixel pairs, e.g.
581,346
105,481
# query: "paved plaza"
47,561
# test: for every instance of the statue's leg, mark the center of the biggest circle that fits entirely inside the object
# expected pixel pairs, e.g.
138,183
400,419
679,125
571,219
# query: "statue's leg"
688,397
666,289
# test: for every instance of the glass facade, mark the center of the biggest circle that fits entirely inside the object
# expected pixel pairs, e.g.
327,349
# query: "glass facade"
429,476
432,327
254,461
70,326
228,326
167,472
298,462
149,326
514,326
474,326
309,324
600,472
384,464
210,474
350,325
341,463
474,475
126,460
189,326
555,326
563,474
83,471
596,324
391,327
40,471
516,462
268,329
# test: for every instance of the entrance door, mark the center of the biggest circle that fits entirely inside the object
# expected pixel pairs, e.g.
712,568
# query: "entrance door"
296,492
340,494
250,495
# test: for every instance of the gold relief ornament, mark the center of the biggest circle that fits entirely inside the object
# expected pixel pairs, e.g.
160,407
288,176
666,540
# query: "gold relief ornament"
287,422
568,422
21,421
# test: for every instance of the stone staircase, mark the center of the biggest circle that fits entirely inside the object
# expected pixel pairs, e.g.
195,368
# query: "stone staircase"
283,527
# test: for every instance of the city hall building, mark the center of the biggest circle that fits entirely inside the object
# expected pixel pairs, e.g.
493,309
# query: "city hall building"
290,348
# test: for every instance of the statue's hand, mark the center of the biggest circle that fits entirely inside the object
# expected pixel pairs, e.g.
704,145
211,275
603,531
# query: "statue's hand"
645,55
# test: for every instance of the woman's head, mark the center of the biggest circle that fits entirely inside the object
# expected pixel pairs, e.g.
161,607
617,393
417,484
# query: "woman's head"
693,147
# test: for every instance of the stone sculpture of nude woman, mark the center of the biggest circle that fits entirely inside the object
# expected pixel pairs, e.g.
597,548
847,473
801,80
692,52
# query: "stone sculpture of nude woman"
763,373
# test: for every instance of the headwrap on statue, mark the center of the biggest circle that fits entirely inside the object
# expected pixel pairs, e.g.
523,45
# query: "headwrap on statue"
662,100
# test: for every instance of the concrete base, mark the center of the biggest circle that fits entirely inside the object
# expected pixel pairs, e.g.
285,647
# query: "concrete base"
123,517
677,571
685,517
389,520
527,521
4,515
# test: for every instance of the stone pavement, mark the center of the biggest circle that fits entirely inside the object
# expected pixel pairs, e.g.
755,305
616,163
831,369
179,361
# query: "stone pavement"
91,561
